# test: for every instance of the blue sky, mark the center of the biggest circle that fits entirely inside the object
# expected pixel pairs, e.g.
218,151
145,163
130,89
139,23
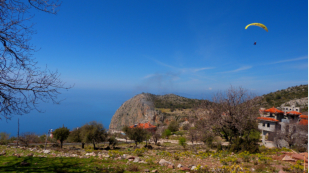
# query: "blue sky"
191,48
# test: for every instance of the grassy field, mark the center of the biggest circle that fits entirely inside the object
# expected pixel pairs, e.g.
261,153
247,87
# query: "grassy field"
205,159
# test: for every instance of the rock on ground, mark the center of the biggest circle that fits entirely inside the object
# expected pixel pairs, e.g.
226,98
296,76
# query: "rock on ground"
163,162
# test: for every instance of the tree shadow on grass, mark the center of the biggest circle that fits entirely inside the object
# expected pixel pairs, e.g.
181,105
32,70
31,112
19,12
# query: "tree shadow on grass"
41,164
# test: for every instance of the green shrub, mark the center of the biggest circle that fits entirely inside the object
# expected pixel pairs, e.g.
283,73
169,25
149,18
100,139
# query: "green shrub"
173,126
273,169
183,142
286,169
298,167
112,141
150,161
264,159
166,133
140,152
245,156
219,146
224,161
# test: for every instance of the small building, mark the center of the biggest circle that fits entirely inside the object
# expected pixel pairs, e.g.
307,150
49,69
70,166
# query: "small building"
290,108
273,120
268,126
147,126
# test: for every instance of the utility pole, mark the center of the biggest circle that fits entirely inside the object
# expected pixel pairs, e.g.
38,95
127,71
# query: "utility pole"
18,133
46,138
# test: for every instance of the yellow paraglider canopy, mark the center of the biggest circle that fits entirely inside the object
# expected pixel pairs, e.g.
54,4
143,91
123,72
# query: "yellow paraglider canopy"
258,24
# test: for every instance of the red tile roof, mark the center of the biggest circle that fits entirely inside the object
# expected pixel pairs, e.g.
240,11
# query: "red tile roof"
274,110
303,116
144,126
267,119
303,122
293,113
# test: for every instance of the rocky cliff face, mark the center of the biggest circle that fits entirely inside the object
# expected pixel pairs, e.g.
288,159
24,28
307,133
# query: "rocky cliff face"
139,109
303,102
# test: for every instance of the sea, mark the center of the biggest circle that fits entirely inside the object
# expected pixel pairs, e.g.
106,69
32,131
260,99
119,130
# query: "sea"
78,107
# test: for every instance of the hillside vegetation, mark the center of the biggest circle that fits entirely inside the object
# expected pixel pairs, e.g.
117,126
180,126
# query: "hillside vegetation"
172,101
282,96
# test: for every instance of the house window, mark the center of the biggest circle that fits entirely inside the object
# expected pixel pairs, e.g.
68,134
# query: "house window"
268,124
297,110
263,124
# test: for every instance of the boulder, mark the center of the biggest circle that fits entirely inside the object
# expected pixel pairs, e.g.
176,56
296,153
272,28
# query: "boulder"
137,159
193,168
46,151
131,157
163,162
142,162
282,143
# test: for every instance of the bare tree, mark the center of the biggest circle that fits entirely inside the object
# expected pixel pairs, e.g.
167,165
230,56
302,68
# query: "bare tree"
193,134
205,130
232,116
22,83
29,137
156,135
293,134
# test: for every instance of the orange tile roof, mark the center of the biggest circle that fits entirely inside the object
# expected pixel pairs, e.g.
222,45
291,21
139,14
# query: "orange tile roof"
303,122
303,116
293,113
144,125
267,119
274,110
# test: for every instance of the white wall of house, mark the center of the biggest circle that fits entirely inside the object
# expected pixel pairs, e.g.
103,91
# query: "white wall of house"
290,108
267,126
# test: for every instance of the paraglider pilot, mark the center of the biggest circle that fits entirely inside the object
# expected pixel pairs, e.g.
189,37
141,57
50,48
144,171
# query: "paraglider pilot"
254,43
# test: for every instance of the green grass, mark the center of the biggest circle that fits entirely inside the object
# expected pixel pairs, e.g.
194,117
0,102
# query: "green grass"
60,164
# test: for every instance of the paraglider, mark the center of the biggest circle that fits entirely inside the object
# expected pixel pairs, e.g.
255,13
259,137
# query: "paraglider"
257,24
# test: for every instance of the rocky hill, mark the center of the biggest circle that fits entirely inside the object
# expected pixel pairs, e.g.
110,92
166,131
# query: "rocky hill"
156,109
297,95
